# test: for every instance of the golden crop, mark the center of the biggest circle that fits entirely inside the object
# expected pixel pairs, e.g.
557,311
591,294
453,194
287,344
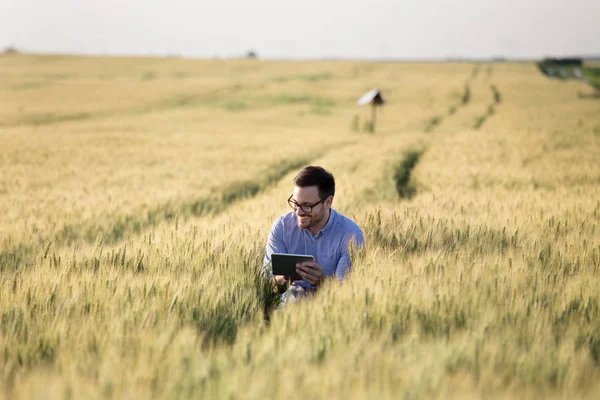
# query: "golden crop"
136,196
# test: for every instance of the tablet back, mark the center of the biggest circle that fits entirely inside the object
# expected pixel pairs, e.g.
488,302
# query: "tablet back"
285,264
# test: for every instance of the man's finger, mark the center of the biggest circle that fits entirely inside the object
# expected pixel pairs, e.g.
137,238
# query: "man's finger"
311,268
310,264
310,278
303,272
311,272
308,267
304,276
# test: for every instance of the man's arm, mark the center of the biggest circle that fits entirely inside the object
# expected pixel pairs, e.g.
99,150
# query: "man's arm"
354,240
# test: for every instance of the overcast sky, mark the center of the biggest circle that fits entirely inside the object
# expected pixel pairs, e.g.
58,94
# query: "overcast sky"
304,29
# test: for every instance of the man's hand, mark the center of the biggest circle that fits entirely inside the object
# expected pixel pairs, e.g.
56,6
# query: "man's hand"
283,280
311,272
278,280
281,283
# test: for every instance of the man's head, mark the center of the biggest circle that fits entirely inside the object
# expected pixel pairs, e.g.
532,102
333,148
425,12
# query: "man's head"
314,188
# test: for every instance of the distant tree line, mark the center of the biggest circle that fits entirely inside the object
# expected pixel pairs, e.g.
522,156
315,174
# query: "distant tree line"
562,62
10,50
571,68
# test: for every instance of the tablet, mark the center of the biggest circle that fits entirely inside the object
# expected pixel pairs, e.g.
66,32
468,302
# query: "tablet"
285,264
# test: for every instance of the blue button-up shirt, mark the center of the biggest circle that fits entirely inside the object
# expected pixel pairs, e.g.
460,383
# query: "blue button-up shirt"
329,246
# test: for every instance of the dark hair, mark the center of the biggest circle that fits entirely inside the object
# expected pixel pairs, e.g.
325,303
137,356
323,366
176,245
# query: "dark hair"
316,176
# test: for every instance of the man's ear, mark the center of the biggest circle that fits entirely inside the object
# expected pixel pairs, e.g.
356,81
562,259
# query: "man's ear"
329,201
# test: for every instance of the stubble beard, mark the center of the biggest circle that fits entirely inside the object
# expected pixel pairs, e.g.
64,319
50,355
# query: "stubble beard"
312,221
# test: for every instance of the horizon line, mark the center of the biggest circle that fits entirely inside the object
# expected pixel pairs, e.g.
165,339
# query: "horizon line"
12,50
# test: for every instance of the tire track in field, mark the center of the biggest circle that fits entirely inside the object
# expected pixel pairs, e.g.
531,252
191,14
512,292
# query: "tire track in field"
395,180
465,100
405,185
490,70
479,121
436,120
171,102
14,255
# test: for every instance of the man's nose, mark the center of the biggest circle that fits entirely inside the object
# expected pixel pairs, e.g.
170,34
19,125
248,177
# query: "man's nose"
300,212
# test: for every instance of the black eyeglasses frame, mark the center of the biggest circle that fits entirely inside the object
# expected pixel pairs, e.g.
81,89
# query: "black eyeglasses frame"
294,205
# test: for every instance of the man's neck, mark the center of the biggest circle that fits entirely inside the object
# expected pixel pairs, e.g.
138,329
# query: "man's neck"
316,229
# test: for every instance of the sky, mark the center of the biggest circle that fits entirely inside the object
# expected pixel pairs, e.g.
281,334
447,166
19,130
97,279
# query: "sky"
307,29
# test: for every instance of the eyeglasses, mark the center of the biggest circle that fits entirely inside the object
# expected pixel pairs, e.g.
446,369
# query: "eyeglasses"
307,208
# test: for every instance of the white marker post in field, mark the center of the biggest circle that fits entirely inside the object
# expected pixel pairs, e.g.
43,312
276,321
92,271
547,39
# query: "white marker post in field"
375,99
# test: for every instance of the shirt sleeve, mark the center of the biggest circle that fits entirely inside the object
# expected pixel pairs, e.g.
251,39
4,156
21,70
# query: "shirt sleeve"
344,266
275,244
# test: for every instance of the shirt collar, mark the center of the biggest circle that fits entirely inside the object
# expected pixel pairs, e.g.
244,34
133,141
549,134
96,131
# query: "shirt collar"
327,227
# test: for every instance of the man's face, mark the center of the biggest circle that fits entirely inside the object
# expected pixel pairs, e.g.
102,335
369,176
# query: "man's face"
308,196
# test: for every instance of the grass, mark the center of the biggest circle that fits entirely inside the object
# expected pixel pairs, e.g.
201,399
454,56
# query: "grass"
491,109
112,231
30,85
148,76
131,245
402,173
592,75
47,119
466,97
322,106
433,122
317,77
497,95
464,101
479,121
318,105
235,105
285,98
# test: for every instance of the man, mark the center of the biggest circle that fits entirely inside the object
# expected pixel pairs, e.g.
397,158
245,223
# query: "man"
312,228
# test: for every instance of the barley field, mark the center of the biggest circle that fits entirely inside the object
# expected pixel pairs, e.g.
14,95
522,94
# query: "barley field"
136,196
